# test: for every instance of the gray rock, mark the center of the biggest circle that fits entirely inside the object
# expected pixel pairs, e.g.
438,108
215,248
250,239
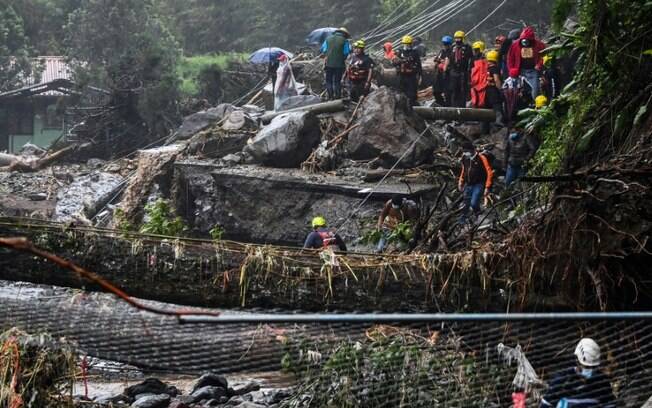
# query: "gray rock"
201,120
385,130
206,393
95,163
287,141
30,149
244,389
150,386
299,101
86,196
233,159
248,404
212,379
152,401
238,120
38,196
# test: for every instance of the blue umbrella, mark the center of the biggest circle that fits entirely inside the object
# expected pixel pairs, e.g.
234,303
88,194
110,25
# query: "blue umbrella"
318,36
267,54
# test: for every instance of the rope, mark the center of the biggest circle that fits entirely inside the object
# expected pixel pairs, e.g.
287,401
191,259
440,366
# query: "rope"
488,16
373,190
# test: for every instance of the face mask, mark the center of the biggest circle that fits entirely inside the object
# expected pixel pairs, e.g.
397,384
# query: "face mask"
586,373
514,136
467,155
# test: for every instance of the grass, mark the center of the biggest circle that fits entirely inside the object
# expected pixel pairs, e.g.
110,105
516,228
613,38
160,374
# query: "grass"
189,69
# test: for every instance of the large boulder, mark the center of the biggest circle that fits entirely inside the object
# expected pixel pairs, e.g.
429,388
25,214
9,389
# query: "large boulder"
385,131
299,101
152,401
201,120
85,196
287,141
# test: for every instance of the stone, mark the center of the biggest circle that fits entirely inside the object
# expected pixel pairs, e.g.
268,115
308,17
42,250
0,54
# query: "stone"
385,131
177,404
233,159
150,386
248,404
211,379
206,393
238,120
30,149
201,120
299,101
95,163
215,143
86,196
287,141
38,196
152,401
244,389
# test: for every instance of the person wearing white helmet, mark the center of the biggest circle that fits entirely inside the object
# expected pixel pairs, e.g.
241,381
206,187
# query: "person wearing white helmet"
582,386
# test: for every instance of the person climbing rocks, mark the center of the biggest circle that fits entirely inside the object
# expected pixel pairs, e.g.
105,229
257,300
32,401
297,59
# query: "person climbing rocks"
525,56
582,386
408,65
440,88
397,210
519,149
517,95
359,72
460,69
550,78
475,181
321,237
335,50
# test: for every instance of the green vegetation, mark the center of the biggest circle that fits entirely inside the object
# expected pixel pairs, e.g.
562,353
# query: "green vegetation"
198,73
161,220
217,232
15,64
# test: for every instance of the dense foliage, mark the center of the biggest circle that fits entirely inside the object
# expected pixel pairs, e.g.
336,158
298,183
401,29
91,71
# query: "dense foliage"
15,64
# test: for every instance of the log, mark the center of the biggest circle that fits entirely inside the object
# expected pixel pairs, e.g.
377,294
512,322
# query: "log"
325,107
8,159
457,114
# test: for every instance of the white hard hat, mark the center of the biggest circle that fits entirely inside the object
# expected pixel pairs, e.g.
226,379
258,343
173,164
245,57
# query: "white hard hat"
588,352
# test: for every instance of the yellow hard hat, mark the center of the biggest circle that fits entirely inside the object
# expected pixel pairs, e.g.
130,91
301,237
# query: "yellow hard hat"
547,59
318,222
407,40
459,34
540,101
479,45
493,56
359,44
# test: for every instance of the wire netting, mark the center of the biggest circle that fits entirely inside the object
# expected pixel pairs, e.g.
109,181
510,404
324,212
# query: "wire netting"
458,363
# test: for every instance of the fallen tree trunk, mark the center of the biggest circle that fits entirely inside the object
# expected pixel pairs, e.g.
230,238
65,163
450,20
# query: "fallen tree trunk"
457,114
16,163
325,107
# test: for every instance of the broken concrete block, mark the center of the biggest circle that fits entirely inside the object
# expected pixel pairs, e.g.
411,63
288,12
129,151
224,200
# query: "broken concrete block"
287,141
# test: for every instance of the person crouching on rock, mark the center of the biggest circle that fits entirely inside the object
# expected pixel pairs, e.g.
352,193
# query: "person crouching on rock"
321,237
475,181
359,72
397,210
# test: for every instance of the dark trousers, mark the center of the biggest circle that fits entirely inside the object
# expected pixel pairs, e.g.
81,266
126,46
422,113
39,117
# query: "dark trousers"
459,83
357,89
334,82
409,86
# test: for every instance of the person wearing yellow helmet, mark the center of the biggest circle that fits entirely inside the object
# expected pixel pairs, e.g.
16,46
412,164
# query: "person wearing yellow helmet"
409,69
335,50
460,67
359,72
321,237
478,48
540,102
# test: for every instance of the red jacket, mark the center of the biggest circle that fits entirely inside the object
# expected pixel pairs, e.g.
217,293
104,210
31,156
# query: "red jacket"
514,55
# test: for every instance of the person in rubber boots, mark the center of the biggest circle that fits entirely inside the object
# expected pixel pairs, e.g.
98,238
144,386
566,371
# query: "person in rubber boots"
460,69
408,66
335,50
359,72
321,237
475,180
582,386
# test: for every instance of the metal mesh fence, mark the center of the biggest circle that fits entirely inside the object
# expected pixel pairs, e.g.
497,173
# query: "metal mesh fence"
452,363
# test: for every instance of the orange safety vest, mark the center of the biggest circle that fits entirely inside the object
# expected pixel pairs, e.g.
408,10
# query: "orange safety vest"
479,82
327,238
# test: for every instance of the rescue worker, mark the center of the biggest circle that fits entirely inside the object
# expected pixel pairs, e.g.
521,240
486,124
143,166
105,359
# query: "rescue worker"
519,149
389,54
397,210
408,65
582,386
420,47
479,74
359,72
494,96
440,88
540,102
322,237
475,181
516,94
459,70
550,82
335,50
526,57
504,50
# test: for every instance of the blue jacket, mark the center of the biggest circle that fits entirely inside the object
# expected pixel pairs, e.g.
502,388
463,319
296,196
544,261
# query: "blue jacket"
568,389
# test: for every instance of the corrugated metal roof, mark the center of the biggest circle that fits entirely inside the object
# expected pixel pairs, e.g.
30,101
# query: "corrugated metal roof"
54,67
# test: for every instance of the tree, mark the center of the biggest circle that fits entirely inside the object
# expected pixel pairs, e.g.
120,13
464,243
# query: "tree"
16,66
123,45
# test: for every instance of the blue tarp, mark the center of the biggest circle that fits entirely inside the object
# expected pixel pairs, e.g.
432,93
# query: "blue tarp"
267,54
318,36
